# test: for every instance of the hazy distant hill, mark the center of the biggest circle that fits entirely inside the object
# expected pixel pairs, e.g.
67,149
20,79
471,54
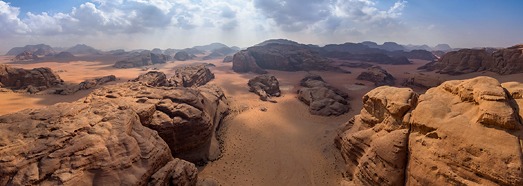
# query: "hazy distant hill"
210,47
42,49
83,49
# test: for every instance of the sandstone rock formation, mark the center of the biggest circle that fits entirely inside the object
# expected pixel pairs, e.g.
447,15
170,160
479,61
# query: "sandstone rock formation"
25,56
220,52
64,55
45,49
280,57
186,118
377,75
463,132
95,141
227,59
322,98
191,76
183,56
142,59
85,85
153,78
244,62
32,81
423,81
375,146
502,61
265,86
83,49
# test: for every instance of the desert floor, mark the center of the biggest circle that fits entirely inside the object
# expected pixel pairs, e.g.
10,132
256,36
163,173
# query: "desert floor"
283,146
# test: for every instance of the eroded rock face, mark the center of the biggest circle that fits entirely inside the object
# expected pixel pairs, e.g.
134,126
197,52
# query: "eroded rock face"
186,118
375,147
377,75
33,81
502,61
265,86
142,59
153,78
322,98
191,76
463,132
95,141
244,62
85,85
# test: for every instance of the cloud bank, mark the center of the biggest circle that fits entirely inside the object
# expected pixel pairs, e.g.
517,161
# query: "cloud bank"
245,19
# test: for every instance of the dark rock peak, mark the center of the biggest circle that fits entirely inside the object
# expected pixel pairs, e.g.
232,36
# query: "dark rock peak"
82,49
42,48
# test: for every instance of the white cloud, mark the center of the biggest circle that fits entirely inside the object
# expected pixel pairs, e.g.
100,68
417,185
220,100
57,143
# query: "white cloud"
9,20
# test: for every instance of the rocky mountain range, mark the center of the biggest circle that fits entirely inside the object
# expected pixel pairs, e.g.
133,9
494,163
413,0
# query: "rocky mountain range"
40,49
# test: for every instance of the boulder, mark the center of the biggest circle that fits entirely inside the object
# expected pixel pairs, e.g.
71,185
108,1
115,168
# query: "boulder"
26,56
462,132
141,59
191,76
265,86
377,75
94,141
183,56
34,80
322,98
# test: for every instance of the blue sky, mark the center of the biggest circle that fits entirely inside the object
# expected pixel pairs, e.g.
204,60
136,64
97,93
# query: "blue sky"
130,24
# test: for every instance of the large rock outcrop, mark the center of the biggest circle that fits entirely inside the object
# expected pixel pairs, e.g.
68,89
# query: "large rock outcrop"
33,81
502,61
265,86
186,118
141,59
183,56
375,145
463,132
322,98
64,55
83,49
85,85
377,75
94,141
191,76
420,80
280,57
26,56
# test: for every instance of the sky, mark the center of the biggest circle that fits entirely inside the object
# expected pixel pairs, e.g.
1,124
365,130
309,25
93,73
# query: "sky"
147,24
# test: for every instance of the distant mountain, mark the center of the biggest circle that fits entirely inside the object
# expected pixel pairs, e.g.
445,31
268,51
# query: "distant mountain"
157,51
279,41
210,47
389,46
40,49
442,47
220,53
82,49
170,51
